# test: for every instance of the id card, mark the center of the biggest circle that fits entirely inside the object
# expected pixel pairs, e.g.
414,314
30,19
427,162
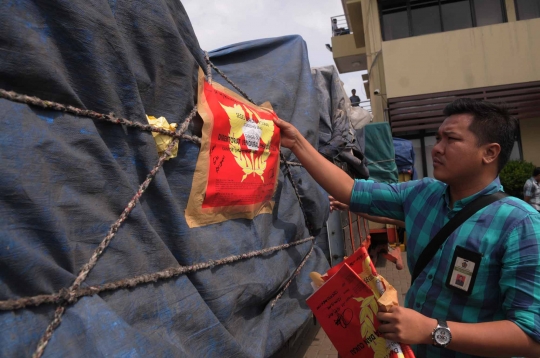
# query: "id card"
463,270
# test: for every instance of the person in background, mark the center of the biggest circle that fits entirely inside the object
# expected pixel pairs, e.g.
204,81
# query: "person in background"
531,190
355,100
337,31
492,310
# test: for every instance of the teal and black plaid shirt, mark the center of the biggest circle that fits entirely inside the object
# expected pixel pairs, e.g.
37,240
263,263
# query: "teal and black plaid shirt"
506,232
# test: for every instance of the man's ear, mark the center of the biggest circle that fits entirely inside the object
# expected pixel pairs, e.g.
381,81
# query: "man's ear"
491,152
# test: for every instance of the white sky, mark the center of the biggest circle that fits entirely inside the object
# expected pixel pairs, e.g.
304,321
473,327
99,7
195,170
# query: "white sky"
218,23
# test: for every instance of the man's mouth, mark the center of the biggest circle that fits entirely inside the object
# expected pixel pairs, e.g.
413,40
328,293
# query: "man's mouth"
437,162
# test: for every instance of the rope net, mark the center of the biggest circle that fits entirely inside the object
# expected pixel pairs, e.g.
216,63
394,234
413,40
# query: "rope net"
70,295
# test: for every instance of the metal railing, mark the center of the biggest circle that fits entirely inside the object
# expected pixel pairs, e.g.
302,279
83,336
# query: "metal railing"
339,25
366,105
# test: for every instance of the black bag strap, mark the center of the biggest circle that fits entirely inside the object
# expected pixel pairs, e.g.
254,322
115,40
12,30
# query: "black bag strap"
462,216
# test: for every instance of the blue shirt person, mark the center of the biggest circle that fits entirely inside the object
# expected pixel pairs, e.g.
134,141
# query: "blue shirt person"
500,314
355,100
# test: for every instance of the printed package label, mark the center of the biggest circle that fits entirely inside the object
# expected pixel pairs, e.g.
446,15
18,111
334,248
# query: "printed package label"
237,169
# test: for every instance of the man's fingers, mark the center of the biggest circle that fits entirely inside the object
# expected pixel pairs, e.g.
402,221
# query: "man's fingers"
384,316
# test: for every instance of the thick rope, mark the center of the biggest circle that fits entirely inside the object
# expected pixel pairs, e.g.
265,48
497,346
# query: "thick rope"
289,176
293,164
85,270
297,193
63,296
296,273
111,117
228,80
208,68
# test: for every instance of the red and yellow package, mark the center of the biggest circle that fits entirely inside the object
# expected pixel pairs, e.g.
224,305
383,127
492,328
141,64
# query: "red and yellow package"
237,170
347,304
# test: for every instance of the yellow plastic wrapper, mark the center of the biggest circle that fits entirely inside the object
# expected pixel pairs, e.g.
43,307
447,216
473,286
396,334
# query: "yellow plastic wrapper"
163,140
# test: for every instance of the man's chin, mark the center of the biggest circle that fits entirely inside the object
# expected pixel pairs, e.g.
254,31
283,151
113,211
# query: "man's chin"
439,175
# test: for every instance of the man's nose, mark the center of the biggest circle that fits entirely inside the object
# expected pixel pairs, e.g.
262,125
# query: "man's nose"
437,148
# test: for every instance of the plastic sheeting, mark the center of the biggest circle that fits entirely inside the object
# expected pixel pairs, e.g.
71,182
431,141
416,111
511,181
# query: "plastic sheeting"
66,179
339,138
380,153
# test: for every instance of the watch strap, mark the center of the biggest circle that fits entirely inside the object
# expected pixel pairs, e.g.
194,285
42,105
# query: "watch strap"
442,323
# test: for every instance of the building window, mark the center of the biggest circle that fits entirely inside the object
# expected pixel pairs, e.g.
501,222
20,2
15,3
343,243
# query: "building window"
425,17
396,20
486,13
456,15
406,18
527,9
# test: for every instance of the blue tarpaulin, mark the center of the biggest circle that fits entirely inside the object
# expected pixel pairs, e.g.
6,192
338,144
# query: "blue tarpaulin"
65,179
405,156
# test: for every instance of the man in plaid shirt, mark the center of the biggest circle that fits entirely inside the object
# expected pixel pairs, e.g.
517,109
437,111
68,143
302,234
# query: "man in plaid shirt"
480,294
531,190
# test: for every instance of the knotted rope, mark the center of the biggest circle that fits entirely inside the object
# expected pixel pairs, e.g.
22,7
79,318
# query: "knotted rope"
111,117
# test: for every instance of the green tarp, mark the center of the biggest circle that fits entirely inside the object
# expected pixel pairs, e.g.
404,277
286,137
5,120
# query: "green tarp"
379,153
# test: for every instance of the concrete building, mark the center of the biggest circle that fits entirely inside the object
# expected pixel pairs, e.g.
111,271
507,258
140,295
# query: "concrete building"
422,54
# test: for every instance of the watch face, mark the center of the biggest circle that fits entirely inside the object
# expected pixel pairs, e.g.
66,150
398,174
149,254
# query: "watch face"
442,336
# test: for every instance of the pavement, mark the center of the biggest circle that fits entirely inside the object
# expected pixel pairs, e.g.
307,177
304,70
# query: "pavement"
314,343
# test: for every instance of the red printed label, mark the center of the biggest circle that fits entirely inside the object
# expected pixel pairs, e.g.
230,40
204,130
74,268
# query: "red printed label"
244,152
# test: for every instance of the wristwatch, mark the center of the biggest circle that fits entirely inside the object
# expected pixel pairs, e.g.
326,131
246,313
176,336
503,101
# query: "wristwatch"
441,334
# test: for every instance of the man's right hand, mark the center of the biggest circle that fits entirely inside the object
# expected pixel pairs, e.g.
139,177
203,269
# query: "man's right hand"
334,180
289,134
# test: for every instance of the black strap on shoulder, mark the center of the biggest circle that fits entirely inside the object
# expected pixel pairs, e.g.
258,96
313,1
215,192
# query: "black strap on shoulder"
462,216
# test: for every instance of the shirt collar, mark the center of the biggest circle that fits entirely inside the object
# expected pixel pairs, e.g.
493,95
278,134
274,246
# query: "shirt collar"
493,187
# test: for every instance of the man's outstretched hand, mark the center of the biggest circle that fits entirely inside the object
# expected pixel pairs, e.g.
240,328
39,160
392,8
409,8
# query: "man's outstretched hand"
337,205
289,134
334,180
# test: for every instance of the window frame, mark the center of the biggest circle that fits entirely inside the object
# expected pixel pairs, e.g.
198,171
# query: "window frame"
411,24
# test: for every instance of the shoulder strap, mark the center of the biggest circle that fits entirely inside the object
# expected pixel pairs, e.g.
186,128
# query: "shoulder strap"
462,216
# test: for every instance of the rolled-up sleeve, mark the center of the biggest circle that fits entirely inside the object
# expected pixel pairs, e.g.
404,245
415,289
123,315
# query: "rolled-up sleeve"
380,199
520,276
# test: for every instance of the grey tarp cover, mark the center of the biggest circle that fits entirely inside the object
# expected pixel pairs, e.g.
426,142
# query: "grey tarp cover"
338,139
65,179
380,153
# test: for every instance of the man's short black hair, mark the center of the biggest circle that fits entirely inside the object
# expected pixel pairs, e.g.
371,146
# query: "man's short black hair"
536,171
353,90
492,123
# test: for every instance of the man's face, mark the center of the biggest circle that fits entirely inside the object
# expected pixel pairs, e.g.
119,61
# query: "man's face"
456,156
537,178
354,93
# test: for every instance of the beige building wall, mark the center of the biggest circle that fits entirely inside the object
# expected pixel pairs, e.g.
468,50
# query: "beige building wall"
374,54
530,139
463,59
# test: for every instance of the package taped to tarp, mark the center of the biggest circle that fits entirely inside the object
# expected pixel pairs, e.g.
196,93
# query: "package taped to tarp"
237,169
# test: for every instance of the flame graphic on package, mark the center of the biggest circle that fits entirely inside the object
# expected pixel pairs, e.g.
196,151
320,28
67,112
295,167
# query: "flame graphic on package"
251,155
